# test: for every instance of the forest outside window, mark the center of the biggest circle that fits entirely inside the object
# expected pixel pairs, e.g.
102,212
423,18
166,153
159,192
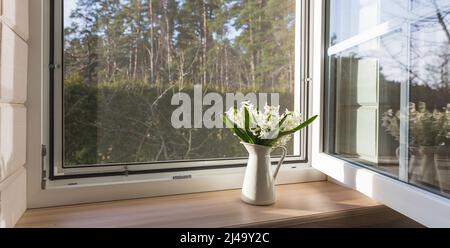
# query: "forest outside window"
123,60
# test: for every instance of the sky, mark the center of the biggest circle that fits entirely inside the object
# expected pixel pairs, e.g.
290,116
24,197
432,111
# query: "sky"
69,5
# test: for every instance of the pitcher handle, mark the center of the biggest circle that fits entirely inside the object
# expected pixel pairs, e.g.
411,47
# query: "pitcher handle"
280,162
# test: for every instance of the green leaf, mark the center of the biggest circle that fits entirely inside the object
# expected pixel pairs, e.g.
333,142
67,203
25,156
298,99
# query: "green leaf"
226,121
244,136
236,130
282,121
299,127
246,120
247,130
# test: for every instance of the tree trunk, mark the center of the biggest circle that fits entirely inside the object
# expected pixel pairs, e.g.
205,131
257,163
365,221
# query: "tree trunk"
168,42
441,21
252,57
130,62
152,40
109,58
138,35
205,42
226,68
260,30
181,70
221,70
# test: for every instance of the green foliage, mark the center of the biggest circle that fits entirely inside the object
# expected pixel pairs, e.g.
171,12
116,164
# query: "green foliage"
80,132
124,121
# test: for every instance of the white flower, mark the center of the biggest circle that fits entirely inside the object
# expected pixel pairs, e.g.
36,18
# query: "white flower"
293,119
265,125
234,117
268,122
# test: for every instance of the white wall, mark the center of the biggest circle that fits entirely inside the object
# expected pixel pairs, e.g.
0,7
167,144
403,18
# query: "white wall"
13,95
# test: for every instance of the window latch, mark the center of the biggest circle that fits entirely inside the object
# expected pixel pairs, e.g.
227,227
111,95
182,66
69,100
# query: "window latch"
308,81
44,150
54,66
44,172
182,177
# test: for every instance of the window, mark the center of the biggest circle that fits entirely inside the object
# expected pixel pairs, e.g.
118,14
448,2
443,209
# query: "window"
117,68
388,88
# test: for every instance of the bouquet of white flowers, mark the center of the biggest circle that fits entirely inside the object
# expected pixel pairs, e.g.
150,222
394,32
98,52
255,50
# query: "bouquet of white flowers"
266,128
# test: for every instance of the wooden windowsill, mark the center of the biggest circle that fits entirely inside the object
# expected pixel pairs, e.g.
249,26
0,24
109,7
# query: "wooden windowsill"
318,204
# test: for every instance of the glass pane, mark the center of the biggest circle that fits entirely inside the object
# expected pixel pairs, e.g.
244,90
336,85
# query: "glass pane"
367,80
125,60
352,17
429,128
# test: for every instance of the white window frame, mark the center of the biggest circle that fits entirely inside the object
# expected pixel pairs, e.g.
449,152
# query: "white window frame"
427,208
44,193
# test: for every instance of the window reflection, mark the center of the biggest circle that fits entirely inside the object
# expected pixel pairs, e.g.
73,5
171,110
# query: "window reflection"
352,17
368,82
372,80
429,115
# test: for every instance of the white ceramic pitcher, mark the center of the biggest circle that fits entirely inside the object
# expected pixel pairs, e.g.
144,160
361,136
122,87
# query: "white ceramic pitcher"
258,187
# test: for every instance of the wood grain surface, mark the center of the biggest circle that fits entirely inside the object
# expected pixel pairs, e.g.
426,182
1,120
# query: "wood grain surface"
318,204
